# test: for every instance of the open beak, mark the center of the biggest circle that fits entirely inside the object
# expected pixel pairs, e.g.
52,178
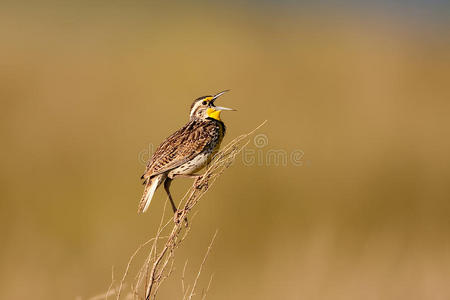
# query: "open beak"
223,108
219,94
220,108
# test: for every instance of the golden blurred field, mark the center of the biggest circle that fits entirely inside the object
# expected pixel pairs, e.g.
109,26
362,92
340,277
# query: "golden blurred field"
87,87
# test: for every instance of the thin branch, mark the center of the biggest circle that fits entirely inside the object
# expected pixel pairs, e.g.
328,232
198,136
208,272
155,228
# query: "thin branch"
129,264
112,283
103,296
202,264
207,288
182,276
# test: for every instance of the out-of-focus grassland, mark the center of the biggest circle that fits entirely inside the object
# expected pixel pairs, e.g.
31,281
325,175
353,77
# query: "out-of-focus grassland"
86,87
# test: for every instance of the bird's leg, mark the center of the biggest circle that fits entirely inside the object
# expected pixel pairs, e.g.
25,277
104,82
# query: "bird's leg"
177,213
167,183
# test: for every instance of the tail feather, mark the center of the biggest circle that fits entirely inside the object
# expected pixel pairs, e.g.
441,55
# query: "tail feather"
149,190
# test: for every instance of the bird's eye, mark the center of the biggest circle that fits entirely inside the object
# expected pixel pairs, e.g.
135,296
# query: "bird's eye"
204,102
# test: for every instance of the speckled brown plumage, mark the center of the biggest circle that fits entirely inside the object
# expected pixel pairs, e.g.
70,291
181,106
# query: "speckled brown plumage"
195,137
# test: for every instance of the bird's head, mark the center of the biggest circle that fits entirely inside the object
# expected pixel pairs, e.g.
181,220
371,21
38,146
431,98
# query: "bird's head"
204,107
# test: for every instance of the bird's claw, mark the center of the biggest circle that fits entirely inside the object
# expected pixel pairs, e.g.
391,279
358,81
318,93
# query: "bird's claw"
200,185
177,217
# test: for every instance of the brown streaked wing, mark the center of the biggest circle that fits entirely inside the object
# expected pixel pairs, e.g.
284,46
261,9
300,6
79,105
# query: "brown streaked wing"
179,148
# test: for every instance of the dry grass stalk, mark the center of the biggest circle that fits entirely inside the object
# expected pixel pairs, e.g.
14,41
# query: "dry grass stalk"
201,266
159,263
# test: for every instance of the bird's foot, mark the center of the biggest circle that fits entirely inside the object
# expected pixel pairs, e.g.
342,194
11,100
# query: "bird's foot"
177,217
199,184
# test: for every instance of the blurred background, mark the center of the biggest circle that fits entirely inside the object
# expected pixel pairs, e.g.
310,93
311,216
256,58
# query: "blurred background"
360,90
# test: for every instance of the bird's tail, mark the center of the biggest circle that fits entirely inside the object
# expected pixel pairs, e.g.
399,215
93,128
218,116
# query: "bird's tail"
150,188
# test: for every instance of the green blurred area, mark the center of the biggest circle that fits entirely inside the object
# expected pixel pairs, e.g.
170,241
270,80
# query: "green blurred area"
87,88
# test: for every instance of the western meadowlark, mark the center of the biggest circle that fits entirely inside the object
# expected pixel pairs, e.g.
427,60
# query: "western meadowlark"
187,150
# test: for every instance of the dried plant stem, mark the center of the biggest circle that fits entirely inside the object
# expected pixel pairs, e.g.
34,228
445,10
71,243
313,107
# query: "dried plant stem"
112,283
182,277
129,264
201,265
158,264
207,288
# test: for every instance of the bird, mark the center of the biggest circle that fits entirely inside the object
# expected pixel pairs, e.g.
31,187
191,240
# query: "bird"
187,150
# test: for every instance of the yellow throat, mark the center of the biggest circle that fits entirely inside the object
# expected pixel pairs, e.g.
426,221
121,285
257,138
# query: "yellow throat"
212,113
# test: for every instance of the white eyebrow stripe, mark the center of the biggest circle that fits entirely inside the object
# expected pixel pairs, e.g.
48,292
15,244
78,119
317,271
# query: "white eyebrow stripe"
196,105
